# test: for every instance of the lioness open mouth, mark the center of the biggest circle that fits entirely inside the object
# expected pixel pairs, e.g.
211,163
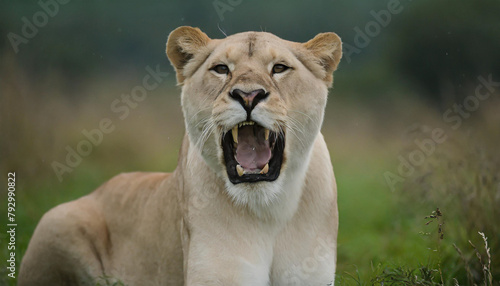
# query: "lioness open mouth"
252,153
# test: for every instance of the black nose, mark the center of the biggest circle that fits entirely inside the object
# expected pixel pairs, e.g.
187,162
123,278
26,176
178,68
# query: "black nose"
249,100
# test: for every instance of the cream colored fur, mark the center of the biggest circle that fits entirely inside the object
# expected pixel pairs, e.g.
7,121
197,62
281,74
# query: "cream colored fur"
193,226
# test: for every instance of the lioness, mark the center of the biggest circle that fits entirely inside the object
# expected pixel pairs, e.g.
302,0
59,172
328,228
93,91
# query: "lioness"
253,199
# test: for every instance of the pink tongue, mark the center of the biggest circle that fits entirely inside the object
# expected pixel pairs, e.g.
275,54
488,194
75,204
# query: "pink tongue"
253,151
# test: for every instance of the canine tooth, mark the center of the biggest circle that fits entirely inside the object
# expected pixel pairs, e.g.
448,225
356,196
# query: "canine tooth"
265,169
239,169
235,134
266,134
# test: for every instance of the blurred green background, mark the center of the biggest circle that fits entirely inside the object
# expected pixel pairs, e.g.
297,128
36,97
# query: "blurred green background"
409,67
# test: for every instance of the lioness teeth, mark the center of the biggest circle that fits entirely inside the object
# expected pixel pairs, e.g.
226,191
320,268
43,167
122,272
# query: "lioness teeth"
239,169
245,123
265,169
266,134
235,134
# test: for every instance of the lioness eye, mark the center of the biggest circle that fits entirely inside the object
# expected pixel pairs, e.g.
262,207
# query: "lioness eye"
279,68
221,69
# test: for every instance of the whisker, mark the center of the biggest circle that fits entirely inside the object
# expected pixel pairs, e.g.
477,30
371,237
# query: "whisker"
199,111
294,129
205,134
296,122
300,112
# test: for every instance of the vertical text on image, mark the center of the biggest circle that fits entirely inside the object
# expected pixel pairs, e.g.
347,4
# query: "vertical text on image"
11,224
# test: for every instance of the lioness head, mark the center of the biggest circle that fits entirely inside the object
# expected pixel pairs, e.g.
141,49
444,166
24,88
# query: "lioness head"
253,103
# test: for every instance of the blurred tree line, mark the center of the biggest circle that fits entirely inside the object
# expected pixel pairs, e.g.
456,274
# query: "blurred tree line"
436,48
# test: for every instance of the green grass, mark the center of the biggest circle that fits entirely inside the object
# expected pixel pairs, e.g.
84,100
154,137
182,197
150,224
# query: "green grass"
373,231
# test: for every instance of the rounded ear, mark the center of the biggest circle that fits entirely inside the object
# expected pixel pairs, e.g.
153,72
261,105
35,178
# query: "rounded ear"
327,49
182,44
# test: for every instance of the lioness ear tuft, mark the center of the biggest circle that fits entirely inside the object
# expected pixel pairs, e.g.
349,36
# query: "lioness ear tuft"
327,49
182,44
